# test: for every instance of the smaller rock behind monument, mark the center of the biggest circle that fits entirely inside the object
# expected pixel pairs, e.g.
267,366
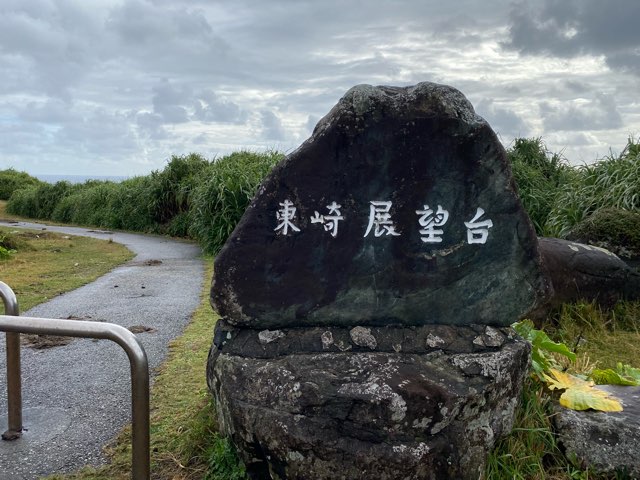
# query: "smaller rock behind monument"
399,210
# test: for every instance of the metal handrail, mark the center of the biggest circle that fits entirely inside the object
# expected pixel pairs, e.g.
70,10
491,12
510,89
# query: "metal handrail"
14,386
140,455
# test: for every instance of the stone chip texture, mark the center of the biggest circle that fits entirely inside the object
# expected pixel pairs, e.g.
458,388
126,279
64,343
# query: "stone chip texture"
305,414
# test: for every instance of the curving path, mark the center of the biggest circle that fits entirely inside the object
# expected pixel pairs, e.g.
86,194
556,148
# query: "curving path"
77,397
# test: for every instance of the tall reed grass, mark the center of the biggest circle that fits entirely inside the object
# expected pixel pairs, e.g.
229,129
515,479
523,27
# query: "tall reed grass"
558,196
204,199
191,197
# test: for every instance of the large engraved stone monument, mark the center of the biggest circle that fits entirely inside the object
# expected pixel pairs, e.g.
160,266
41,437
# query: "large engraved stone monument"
365,296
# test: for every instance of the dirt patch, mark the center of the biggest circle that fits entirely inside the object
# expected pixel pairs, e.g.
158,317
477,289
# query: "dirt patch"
34,235
141,329
41,342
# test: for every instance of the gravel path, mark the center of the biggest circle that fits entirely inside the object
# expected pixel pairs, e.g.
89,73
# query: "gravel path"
76,397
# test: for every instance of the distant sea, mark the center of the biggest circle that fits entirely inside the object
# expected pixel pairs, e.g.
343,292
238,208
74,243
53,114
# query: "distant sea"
79,178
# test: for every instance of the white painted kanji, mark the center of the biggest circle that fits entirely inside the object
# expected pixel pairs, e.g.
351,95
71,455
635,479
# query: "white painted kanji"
331,220
285,216
477,232
380,220
428,221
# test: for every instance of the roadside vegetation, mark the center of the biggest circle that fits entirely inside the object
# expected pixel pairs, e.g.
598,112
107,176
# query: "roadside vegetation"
191,197
39,265
204,199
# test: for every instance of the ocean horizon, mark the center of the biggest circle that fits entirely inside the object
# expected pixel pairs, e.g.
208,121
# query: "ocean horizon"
79,178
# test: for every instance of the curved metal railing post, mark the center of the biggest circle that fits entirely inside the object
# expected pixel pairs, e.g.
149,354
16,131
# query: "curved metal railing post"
14,385
140,455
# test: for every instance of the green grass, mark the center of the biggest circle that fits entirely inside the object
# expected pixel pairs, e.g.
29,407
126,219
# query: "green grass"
601,337
558,196
47,264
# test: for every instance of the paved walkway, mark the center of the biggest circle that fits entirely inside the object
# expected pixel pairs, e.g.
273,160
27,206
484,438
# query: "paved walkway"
77,397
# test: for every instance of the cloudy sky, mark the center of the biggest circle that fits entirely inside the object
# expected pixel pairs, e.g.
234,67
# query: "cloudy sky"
115,87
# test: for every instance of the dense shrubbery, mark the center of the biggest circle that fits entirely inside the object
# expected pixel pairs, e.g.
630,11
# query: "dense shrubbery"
39,201
558,196
191,196
12,180
221,199
205,199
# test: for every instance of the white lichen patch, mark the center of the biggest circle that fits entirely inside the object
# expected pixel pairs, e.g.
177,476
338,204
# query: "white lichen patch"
268,336
294,456
417,452
362,337
433,341
399,448
576,248
378,393
421,424
420,450
327,340
343,347
492,365
493,337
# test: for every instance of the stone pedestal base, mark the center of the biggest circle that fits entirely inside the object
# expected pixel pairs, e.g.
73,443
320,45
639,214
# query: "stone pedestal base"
385,403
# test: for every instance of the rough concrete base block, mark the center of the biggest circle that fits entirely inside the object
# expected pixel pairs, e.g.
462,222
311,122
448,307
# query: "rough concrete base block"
605,442
366,413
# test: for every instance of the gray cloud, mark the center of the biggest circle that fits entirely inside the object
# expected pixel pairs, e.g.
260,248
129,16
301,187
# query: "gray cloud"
101,83
566,28
168,101
271,126
209,107
601,113
151,126
504,121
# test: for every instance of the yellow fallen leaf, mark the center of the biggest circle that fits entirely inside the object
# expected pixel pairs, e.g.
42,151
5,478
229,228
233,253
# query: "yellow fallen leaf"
581,394
562,380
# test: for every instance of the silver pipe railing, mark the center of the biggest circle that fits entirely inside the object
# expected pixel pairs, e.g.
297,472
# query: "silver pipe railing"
14,385
140,455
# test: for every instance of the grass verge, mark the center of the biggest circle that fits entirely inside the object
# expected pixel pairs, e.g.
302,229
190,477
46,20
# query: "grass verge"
47,264
185,444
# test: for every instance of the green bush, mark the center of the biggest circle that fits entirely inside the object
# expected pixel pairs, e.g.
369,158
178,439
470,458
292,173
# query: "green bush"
540,177
172,188
39,202
612,228
132,205
23,202
12,180
613,182
223,195
90,204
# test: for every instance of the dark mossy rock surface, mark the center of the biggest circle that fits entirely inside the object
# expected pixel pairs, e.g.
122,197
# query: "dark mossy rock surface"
615,229
584,272
406,148
604,442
